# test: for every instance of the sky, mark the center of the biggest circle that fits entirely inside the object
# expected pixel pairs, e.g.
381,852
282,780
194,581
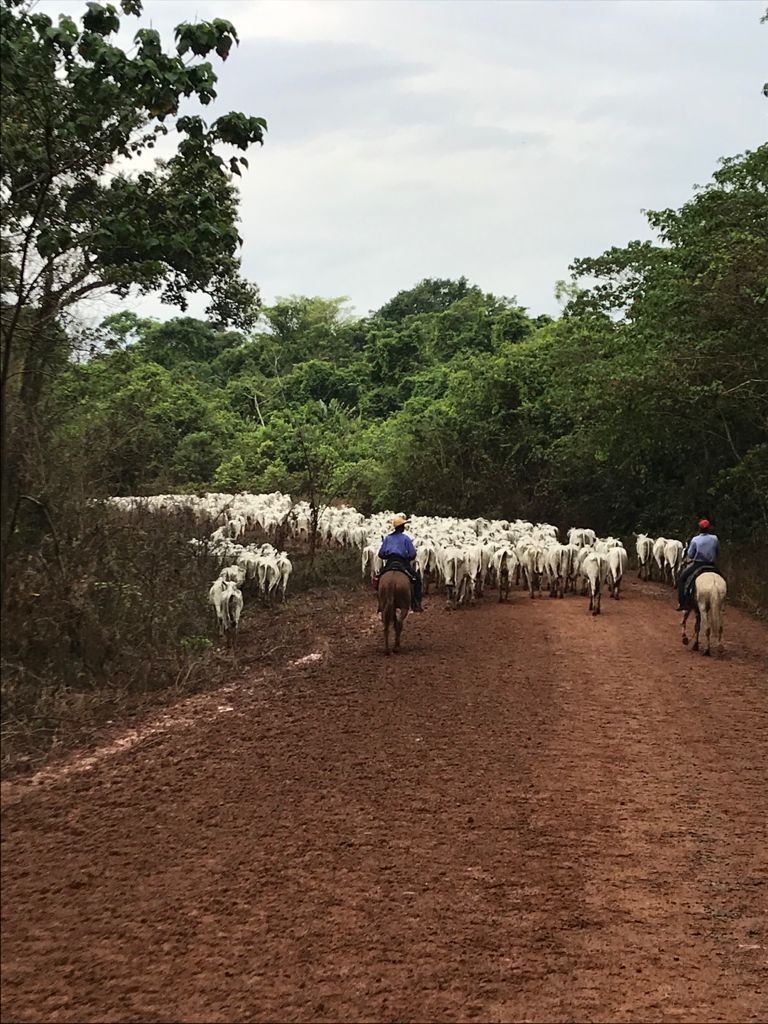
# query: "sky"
499,140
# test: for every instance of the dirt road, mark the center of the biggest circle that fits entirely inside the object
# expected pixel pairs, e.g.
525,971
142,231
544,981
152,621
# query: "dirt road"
528,815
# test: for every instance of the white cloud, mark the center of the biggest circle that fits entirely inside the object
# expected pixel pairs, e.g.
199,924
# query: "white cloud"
497,140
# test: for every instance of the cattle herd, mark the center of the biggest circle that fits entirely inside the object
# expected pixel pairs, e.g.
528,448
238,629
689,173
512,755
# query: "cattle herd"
460,557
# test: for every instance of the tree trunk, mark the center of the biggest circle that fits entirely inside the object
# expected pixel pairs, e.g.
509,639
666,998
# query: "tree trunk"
18,409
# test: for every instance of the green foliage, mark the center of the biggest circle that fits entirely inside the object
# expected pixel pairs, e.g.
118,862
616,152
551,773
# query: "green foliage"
74,103
81,215
693,352
432,295
644,406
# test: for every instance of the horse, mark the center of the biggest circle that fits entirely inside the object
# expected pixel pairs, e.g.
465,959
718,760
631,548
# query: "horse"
394,596
709,593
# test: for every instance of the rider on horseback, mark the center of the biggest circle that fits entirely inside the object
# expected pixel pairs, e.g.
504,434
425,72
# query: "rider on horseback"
397,552
703,550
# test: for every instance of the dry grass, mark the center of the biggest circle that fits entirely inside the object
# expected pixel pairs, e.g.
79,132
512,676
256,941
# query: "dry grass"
746,569
109,615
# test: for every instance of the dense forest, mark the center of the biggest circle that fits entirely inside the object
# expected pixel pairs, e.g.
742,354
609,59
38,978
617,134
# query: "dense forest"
644,405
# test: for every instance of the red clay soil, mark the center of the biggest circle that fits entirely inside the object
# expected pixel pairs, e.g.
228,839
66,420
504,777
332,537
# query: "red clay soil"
527,815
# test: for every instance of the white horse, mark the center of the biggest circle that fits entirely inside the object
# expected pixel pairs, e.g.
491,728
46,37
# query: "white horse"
709,593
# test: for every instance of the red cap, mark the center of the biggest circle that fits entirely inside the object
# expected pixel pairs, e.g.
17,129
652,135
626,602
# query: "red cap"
704,524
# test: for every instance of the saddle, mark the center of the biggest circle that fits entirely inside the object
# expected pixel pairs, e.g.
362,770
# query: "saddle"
689,583
397,565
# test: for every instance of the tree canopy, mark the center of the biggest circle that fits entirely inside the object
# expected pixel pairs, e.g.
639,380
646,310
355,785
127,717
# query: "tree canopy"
645,405
84,208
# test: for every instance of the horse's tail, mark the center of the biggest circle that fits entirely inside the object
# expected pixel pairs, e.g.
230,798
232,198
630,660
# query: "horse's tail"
387,605
716,609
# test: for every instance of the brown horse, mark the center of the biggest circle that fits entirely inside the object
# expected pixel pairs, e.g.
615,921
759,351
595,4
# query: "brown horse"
394,596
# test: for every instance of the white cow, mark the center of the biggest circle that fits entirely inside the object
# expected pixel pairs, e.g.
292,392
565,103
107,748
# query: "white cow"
426,555
227,602
571,563
286,568
673,558
503,563
269,577
532,562
658,555
235,573
370,562
594,567
644,549
617,565
556,563
455,573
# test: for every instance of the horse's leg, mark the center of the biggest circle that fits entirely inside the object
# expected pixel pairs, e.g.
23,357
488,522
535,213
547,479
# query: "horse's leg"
719,617
684,625
398,631
696,629
707,626
385,624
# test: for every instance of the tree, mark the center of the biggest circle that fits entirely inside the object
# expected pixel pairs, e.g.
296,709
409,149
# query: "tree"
138,426
77,218
432,295
299,328
689,370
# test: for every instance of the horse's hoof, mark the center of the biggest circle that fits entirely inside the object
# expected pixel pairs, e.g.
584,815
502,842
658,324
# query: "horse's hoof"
707,653
685,641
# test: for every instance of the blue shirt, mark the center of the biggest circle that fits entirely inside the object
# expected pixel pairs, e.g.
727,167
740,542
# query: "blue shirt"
704,548
398,545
